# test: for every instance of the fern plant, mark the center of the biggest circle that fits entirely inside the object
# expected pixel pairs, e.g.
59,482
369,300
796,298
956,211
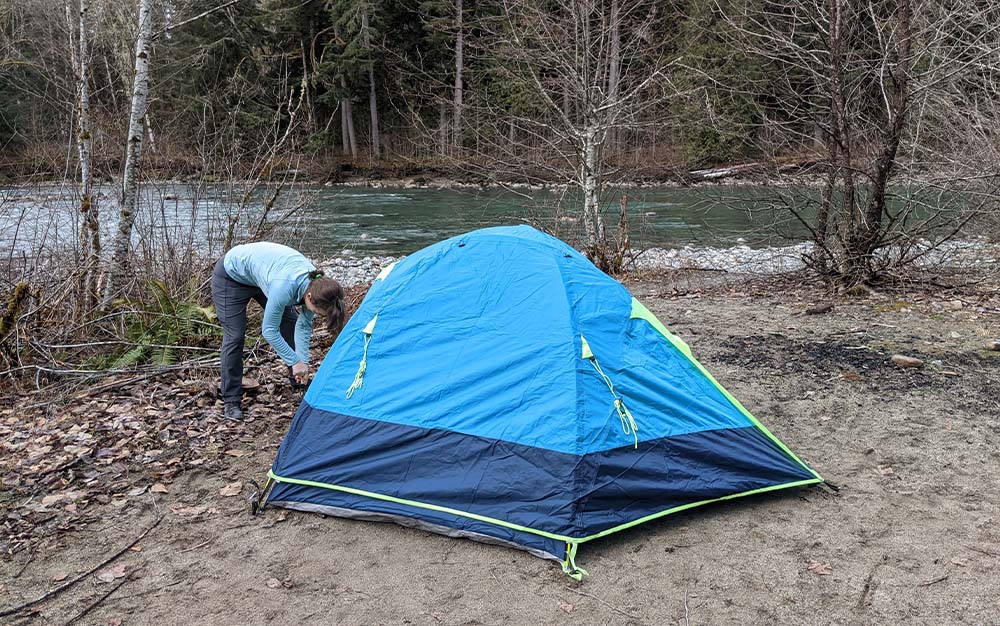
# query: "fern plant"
161,328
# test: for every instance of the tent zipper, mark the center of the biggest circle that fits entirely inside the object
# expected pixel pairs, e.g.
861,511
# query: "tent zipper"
359,377
629,426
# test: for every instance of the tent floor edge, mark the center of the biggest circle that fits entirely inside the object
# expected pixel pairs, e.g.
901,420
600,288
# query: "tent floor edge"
411,522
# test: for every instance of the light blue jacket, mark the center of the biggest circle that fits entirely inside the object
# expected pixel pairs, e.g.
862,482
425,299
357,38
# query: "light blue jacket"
283,275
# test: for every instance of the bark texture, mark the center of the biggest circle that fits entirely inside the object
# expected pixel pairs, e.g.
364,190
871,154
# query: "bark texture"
133,152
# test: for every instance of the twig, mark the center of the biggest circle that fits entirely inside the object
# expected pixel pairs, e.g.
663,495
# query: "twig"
200,545
96,602
935,581
869,585
982,550
65,586
613,608
687,621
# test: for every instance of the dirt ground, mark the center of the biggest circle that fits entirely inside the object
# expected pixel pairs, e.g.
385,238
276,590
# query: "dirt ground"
912,537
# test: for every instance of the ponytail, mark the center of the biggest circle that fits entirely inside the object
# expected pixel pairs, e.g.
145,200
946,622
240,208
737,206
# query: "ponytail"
328,296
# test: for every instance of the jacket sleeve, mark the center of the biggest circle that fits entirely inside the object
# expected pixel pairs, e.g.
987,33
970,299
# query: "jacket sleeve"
282,294
303,334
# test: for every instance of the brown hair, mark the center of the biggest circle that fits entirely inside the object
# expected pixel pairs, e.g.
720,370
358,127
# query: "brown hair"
328,297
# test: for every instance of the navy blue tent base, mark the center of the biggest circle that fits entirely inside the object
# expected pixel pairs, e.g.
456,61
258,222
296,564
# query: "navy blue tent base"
417,476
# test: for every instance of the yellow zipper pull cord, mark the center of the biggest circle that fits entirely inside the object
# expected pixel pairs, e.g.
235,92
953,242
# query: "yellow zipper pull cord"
629,426
359,377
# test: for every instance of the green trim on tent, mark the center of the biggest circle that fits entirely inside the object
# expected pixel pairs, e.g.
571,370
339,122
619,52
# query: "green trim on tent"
639,311
497,522
684,507
419,505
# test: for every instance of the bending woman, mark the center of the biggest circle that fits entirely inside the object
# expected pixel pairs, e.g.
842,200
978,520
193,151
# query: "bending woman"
279,279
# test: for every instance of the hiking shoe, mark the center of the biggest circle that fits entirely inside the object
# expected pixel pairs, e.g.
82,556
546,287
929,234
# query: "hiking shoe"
233,412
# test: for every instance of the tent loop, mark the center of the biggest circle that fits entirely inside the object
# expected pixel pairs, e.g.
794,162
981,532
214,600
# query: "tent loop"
569,565
629,426
359,377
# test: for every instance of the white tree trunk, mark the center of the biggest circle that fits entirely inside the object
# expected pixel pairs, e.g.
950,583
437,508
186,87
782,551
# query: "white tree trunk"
459,64
90,234
150,135
133,152
372,102
614,61
590,179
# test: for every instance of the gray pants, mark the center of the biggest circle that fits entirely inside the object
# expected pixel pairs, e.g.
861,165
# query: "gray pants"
231,299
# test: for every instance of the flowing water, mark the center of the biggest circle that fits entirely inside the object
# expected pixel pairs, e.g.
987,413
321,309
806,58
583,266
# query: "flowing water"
330,221
389,221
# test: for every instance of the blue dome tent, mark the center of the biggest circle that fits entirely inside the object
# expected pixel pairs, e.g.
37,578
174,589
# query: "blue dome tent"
498,386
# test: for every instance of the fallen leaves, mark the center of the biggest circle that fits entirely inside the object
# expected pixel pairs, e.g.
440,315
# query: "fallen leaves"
58,577
231,489
819,568
60,498
566,607
282,516
181,509
274,583
886,470
118,448
112,573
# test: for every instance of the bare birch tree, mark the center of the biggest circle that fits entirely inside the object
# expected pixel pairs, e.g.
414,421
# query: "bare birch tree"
90,234
133,151
589,68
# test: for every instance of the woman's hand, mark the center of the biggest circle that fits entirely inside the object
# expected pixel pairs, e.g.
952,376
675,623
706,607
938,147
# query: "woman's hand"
301,372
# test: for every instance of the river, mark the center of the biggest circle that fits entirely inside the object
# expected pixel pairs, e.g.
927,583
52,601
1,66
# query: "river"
326,221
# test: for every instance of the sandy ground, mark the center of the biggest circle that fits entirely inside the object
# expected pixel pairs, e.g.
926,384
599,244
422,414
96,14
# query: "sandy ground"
912,537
